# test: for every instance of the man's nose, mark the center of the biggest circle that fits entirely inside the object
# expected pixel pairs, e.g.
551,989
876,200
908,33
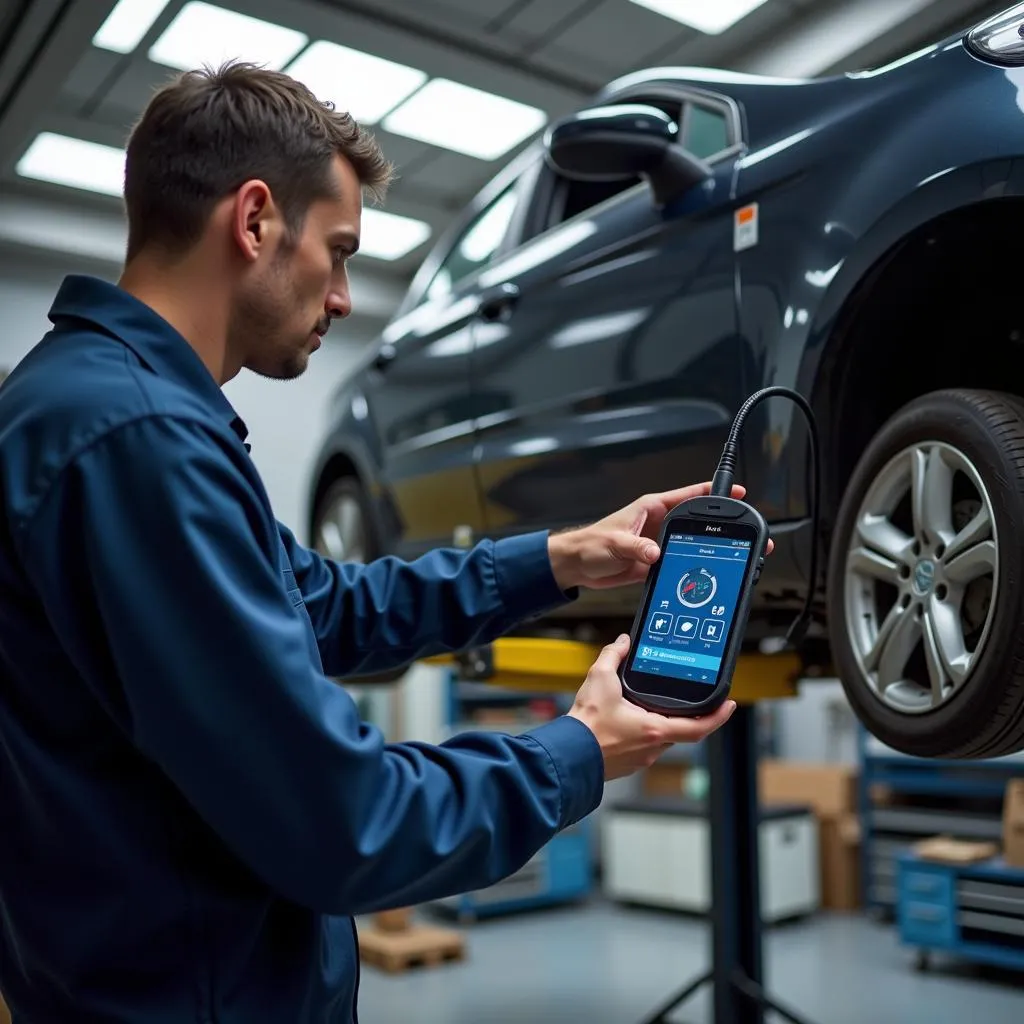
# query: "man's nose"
338,305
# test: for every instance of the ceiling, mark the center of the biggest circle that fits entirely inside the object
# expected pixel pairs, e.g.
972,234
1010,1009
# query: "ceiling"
548,54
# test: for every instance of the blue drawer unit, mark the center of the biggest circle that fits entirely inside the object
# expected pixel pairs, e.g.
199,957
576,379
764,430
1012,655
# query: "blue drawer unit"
560,872
972,911
926,911
563,870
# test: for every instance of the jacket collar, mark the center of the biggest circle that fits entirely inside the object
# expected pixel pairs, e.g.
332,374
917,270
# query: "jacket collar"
160,347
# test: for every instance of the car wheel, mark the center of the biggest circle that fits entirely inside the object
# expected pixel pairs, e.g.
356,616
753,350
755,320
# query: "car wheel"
341,529
926,589
343,532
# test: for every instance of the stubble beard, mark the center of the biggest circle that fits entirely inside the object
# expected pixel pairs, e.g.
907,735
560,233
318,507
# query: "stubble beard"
259,327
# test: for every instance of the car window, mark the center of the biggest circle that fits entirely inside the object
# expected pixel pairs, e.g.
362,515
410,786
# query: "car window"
476,245
706,132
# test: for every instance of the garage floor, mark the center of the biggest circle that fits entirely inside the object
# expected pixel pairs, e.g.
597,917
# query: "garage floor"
607,965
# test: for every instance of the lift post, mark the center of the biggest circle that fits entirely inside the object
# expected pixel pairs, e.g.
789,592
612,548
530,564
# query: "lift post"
737,970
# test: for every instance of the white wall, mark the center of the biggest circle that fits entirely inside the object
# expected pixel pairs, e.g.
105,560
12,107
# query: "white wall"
27,289
286,419
818,725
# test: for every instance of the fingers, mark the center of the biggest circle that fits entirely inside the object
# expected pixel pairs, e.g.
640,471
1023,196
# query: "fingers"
691,730
612,654
630,547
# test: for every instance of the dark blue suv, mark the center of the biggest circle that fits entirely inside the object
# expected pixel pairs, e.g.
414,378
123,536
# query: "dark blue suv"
586,330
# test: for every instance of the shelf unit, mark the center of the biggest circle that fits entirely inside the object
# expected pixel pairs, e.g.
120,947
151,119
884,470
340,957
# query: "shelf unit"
929,797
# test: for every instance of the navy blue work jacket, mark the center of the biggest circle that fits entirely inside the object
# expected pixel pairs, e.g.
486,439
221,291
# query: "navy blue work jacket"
190,808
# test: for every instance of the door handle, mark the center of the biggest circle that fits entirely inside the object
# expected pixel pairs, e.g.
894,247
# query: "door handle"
497,303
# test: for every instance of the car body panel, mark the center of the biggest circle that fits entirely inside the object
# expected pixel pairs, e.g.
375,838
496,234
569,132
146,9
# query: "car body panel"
599,403
637,332
824,226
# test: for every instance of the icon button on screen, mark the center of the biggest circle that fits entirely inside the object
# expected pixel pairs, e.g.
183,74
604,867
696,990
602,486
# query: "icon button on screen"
686,627
660,624
711,631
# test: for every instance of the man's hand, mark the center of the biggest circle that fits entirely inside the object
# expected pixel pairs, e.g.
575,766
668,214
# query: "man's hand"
621,548
631,738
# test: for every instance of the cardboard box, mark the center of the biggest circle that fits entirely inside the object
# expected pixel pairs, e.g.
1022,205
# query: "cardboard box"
949,850
664,779
831,791
1013,823
839,859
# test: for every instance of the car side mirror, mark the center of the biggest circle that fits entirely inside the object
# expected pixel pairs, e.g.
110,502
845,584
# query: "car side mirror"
624,141
384,355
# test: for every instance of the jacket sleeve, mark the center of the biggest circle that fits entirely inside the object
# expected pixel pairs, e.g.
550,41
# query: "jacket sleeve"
369,618
158,538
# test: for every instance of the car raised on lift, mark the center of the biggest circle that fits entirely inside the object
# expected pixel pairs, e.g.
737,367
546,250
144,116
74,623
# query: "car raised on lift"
588,327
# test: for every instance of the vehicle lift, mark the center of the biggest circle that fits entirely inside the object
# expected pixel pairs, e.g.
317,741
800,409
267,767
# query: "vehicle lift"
737,970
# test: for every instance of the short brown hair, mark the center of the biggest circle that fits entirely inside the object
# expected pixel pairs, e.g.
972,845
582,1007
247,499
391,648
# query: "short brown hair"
208,131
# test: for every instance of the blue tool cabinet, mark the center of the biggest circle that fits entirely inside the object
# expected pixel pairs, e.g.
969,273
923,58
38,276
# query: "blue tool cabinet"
971,911
560,872
563,870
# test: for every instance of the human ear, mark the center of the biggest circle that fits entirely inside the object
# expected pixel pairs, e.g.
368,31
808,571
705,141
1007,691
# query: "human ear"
253,212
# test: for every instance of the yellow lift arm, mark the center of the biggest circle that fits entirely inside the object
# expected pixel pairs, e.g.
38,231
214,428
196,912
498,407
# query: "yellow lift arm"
540,664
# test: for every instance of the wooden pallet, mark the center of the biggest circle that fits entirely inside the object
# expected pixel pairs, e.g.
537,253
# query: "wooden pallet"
415,946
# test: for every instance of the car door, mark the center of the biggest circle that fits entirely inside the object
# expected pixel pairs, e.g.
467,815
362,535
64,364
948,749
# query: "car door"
618,357
419,391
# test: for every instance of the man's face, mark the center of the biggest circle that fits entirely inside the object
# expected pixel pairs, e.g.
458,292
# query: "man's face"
292,293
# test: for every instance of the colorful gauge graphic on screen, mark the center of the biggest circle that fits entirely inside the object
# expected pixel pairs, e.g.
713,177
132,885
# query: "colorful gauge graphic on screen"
696,587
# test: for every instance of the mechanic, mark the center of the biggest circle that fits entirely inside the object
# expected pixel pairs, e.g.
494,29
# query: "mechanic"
192,809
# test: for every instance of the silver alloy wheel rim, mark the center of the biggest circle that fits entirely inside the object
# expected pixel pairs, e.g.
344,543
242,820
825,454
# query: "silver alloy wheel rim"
931,572
341,534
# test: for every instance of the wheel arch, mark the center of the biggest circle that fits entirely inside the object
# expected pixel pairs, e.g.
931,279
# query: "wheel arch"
338,464
862,336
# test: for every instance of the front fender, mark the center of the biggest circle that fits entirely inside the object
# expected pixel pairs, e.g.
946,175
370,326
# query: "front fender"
893,153
945,193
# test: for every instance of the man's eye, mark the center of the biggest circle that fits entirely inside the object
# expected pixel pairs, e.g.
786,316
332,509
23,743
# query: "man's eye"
340,255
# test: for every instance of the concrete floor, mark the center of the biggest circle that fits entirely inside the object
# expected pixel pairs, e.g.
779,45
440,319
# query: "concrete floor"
610,965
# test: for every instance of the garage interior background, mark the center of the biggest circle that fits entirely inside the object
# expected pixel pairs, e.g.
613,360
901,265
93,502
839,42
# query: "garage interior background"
73,79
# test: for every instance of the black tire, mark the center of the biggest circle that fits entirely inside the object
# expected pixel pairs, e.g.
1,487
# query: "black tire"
346,489
984,717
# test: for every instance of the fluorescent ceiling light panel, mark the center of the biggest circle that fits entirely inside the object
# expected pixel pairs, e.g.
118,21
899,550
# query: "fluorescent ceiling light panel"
386,236
204,34
74,162
466,120
365,86
710,16
127,24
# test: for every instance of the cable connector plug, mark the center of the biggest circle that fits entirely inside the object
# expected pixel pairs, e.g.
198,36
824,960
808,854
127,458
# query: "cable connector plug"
721,482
